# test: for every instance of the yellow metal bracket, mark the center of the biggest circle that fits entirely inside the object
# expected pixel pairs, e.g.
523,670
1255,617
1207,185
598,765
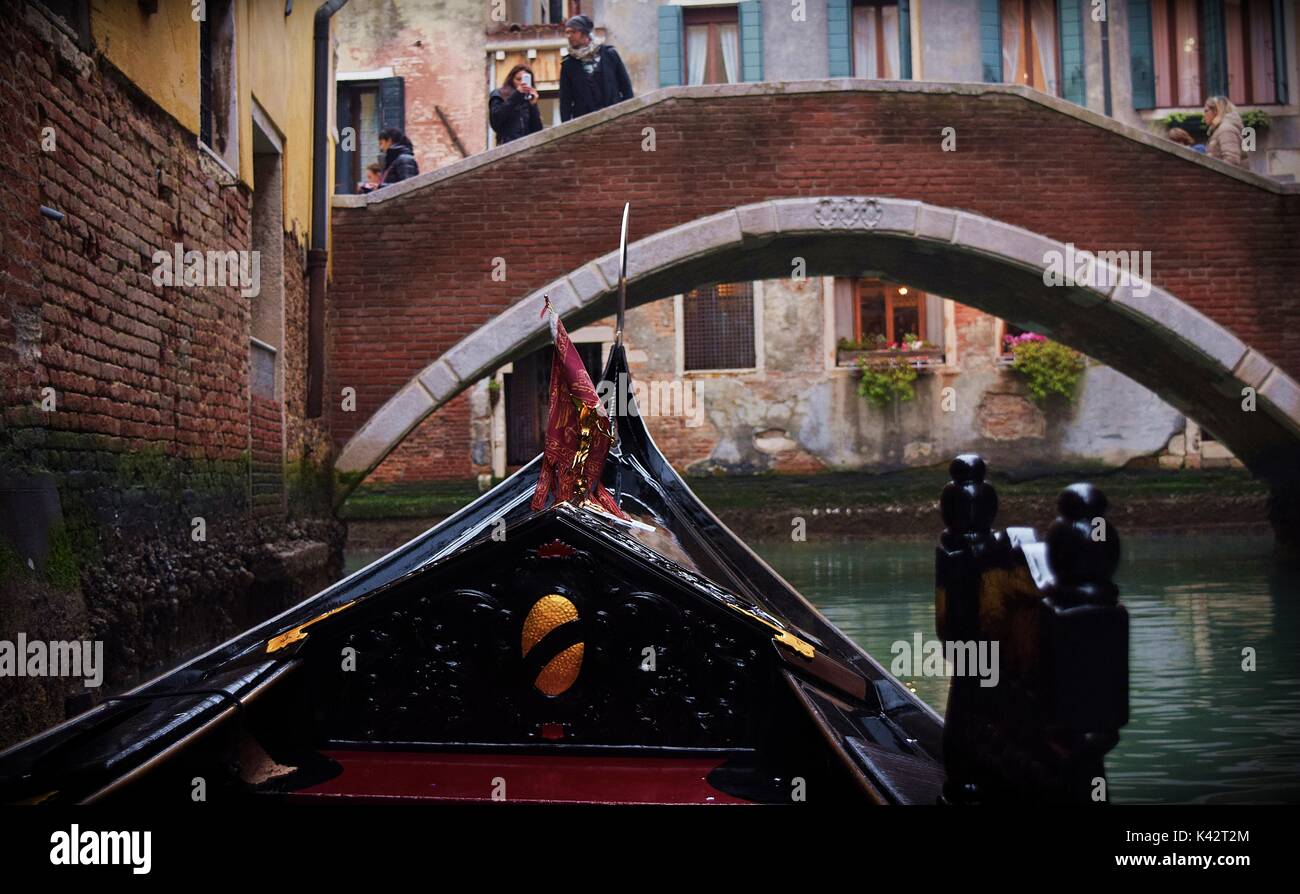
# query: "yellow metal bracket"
289,637
782,635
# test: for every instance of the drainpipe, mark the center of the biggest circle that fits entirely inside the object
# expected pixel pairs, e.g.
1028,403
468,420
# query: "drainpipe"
1105,60
320,197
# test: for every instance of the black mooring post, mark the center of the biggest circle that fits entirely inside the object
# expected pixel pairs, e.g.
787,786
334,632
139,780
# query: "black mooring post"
1085,641
968,505
1042,732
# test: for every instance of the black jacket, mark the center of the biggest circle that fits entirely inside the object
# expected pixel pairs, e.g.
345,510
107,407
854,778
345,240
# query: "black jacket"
399,164
608,85
514,117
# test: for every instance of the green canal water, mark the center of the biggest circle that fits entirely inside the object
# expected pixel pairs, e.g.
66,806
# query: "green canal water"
1201,729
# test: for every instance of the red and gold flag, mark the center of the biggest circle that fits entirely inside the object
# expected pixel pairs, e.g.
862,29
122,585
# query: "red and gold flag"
579,431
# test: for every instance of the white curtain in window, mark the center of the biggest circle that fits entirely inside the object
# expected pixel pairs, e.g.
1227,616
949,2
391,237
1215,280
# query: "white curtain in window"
889,36
844,309
697,52
730,37
1013,28
1043,23
1187,33
864,42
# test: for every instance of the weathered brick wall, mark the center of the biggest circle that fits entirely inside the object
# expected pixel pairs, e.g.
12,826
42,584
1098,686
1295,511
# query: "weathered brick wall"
412,275
152,422
267,457
139,371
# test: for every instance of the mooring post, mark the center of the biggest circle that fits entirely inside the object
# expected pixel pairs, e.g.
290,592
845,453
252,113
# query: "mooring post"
968,505
1085,642
1039,727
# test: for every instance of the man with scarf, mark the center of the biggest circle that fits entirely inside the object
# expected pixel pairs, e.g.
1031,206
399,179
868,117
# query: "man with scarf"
592,76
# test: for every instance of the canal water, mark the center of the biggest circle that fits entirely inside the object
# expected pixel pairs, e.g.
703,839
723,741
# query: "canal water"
1201,729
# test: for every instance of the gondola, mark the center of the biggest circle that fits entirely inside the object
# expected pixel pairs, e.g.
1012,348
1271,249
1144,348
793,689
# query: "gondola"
564,653
624,650
561,654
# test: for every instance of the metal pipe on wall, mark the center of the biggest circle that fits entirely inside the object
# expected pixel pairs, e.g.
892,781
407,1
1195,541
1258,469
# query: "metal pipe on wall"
316,256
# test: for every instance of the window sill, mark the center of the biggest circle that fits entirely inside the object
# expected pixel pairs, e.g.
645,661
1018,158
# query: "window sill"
1274,110
709,373
922,360
212,154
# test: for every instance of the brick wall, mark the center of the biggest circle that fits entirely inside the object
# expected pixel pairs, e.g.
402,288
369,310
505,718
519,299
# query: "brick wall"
267,457
137,369
151,382
413,275
152,422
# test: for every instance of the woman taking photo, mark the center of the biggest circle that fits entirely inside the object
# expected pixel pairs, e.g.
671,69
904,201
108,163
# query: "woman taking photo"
512,107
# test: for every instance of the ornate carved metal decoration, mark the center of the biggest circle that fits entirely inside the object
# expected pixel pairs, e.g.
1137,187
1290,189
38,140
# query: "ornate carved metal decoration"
542,642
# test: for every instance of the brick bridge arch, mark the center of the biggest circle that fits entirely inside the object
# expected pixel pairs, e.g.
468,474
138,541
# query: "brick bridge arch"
849,175
1157,339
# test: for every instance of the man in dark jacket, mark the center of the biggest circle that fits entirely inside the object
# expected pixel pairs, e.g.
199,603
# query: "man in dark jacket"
592,76
399,156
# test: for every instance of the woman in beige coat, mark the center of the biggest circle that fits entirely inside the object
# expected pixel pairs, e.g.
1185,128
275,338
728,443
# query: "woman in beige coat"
1223,124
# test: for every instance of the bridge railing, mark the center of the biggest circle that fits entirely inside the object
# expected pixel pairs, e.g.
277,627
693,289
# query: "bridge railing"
1041,730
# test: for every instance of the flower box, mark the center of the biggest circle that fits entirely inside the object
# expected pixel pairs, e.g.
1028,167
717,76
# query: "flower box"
921,358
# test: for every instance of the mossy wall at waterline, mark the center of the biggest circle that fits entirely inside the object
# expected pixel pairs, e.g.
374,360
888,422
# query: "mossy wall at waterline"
122,564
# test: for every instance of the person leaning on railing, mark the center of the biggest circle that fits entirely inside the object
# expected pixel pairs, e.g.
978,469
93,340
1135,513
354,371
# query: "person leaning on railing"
1224,125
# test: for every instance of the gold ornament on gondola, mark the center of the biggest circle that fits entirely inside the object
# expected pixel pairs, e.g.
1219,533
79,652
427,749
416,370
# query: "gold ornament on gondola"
561,672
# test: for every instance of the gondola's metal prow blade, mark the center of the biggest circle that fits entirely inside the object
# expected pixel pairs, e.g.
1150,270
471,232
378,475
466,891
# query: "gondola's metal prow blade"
622,276
618,340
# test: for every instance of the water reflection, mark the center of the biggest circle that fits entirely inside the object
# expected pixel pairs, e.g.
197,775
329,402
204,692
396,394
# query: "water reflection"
1201,728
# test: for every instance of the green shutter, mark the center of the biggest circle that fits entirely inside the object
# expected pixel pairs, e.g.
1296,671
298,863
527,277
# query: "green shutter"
1141,54
1279,50
392,104
905,40
840,39
670,46
1214,48
991,40
343,157
1069,22
751,40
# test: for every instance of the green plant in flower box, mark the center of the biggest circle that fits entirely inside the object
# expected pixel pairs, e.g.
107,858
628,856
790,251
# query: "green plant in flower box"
1047,367
882,383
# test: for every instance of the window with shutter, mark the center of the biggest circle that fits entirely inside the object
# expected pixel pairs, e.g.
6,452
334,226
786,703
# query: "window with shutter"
1202,48
712,49
878,27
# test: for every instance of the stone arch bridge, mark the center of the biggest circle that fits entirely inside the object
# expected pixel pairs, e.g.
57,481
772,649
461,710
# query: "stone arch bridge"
733,182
